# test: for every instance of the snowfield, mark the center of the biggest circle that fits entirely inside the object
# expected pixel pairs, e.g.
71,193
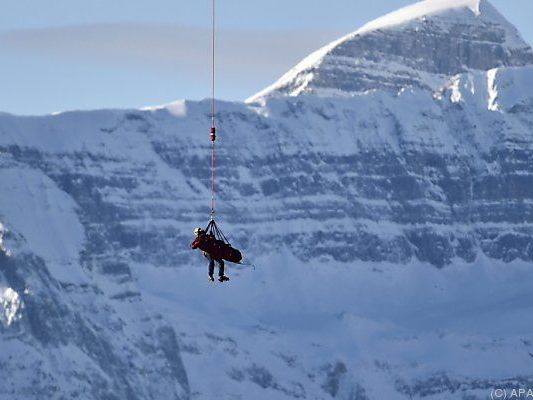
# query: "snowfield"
283,330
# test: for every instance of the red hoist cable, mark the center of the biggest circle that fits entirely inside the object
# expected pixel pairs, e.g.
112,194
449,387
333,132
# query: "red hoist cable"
224,250
213,129
212,241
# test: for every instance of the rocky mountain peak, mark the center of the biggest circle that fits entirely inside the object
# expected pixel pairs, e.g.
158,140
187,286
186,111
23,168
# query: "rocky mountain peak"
421,45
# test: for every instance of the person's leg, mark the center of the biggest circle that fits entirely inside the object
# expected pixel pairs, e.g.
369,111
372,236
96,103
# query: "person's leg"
220,267
211,266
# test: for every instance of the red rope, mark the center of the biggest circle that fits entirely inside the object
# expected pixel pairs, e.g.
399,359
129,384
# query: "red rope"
212,178
213,48
213,110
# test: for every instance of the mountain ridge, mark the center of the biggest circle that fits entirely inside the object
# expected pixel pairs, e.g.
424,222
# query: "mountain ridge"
482,37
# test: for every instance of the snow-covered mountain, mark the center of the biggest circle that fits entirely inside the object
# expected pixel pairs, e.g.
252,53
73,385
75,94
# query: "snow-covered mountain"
383,187
418,46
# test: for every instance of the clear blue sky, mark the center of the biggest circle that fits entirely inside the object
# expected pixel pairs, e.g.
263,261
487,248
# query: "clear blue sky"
58,55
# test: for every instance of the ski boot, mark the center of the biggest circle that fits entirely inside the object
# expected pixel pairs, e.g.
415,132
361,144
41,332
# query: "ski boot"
210,278
223,278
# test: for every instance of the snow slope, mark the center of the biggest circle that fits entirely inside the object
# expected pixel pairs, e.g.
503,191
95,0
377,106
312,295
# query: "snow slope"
390,217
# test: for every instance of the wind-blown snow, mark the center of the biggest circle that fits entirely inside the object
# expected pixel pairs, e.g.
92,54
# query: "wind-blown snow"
418,10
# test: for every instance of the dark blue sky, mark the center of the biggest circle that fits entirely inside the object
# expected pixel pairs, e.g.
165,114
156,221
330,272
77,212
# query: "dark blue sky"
76,54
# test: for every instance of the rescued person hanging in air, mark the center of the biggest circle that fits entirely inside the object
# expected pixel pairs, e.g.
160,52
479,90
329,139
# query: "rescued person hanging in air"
211,240
216,249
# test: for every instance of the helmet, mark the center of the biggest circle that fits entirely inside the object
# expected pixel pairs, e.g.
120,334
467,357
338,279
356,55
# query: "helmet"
197,231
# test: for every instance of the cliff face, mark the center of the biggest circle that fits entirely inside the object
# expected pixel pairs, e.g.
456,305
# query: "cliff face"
402,147
72,322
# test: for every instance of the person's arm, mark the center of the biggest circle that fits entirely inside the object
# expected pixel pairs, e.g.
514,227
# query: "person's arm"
195,243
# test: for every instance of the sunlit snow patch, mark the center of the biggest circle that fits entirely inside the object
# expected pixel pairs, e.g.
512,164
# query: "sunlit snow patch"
492,89
2,247
10,306
456,96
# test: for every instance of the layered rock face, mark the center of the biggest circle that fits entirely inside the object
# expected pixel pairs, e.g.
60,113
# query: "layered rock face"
423,164
406,143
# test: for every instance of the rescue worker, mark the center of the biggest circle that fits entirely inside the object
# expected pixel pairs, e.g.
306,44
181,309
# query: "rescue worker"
201,235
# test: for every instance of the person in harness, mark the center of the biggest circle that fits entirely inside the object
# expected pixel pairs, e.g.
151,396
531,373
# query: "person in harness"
211,248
